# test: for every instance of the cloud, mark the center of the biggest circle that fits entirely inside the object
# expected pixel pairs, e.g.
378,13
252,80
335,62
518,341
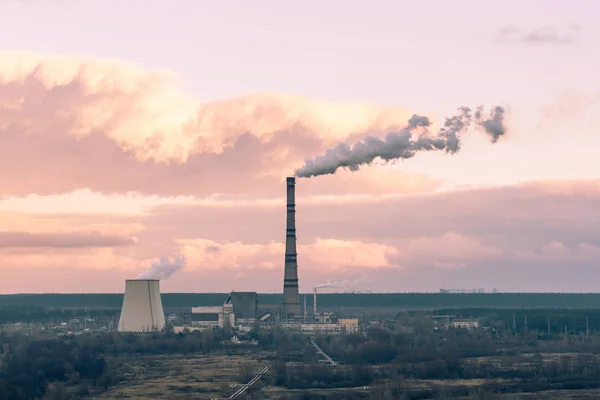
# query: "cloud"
108,152
332,253
72,240
542,35
450,250
478,237
69,123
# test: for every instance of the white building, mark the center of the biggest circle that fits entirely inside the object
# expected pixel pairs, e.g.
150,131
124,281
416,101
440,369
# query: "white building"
142,309
213,316
348,325
465,323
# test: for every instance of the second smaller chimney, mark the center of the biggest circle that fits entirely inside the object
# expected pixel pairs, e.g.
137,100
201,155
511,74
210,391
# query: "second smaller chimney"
315,303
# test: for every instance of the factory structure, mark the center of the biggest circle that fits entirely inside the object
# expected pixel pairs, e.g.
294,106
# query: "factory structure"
291,299
239,311
142,307
143,312
243,312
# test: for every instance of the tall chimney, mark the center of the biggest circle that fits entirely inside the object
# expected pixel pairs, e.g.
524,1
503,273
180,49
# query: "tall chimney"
315,303
291,298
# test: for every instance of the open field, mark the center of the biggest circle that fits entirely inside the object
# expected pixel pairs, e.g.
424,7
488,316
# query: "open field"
195,376
200,376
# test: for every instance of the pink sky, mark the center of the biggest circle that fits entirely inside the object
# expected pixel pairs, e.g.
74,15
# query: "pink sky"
134,130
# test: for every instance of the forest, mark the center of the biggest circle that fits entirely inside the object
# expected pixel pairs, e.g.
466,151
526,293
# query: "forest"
328,300
412,361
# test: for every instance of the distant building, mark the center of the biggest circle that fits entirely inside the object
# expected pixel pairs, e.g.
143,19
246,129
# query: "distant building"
320,328
465,324
213,316
454,291
245,304
245,307
348,325
142,309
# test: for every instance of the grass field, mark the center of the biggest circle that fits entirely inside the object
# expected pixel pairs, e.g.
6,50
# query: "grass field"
180,376
199,376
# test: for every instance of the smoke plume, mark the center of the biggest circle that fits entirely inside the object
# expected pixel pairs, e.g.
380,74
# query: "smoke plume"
329,284
414,138
345,284
164,268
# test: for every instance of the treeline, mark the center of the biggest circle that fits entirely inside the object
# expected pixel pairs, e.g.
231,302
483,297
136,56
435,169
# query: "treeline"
541,320
382,346
327,300
38,314
74,366
31,369
390,360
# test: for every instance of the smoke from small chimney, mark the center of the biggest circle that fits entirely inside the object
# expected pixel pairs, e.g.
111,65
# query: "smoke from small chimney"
164,268
329,284
402,145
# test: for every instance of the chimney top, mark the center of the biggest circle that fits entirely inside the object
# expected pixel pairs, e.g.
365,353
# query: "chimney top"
291,179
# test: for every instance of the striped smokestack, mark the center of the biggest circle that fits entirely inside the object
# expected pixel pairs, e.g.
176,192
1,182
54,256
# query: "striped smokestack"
291,298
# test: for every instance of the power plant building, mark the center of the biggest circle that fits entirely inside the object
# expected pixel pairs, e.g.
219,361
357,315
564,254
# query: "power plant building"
213,316
142,309
245,307
291,298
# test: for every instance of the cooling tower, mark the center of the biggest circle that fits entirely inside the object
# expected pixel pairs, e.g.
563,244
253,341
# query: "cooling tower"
291,298
142,307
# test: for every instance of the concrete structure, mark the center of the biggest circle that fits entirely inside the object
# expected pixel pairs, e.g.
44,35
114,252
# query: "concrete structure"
332,328
291,297
142,307
320,328
325,318
207,317
273,309
348,325
213,316
245,305
465,324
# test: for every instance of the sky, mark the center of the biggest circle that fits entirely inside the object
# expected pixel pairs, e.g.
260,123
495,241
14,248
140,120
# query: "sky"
135,130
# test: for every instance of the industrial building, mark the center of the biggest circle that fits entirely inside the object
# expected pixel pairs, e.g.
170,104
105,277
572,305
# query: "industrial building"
245,307
239,310
242,311
142,309
330,326
465,324
348,325
213,316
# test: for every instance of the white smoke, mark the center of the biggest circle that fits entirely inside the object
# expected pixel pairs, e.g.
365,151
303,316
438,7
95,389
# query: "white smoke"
345,284
403,144
329,284
164,268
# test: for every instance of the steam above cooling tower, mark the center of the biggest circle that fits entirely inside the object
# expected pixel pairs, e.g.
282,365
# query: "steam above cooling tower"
142,307
291,298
